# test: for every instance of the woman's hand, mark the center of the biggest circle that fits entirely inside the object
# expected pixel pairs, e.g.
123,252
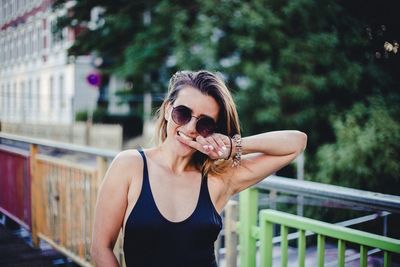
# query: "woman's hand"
216,146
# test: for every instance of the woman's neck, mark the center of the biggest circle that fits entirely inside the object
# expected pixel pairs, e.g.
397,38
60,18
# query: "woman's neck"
172,161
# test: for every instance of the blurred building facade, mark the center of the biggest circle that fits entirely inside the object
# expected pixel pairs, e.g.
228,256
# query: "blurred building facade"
38,82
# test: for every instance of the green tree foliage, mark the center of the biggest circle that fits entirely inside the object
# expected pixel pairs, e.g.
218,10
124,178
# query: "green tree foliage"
301,64
366,152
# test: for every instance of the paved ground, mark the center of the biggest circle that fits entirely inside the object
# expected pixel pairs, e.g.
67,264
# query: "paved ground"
15,251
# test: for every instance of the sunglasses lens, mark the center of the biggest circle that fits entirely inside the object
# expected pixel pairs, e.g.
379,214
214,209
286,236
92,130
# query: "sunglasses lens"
181,115
205,126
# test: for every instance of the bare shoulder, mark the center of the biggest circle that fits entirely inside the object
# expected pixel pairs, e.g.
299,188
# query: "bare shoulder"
127,158
124,165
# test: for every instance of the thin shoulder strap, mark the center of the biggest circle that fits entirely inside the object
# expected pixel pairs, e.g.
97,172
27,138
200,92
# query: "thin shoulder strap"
203,179
145,171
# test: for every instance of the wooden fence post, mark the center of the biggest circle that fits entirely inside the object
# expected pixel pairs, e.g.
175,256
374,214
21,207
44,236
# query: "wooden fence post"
102,166
34,192
231,235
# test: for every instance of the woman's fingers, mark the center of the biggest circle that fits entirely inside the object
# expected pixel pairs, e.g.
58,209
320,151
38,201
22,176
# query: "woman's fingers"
217,148
219,139
191,143
212,139
207,147
213,145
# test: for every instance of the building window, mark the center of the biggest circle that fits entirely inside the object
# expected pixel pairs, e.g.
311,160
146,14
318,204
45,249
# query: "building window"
38,46
29,100
8,100
9,50
2,47
5,50
3,106
14,96
22,45
34,40
14,9
38,95
26,41
62,99
30,43
14,49
51,94
22,101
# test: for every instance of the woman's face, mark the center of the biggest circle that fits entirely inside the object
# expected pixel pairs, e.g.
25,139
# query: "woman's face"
201,105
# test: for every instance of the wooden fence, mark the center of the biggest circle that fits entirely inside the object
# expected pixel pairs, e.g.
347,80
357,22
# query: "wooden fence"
63,200
62,194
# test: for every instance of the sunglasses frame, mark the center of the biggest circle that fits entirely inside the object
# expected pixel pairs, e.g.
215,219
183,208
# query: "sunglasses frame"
198,120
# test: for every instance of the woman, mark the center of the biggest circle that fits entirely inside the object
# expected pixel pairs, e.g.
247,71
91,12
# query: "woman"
168,199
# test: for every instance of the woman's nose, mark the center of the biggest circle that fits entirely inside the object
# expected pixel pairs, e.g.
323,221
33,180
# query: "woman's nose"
191,125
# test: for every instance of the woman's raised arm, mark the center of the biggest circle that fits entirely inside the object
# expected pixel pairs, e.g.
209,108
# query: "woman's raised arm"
264,154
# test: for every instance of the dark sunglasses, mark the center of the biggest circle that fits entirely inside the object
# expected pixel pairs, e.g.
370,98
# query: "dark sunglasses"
182,115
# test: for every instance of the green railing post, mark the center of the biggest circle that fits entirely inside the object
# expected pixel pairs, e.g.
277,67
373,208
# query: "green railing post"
284,245
248,204
341,252
387,262
301,248
266,246
321,250
363,256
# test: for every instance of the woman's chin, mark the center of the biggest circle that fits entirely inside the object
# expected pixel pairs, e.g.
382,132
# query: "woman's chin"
184,149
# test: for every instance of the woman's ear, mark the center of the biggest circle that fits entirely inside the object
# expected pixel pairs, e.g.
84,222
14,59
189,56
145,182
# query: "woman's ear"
168,109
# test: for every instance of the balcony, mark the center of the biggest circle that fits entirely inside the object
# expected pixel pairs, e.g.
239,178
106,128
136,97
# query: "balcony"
50,189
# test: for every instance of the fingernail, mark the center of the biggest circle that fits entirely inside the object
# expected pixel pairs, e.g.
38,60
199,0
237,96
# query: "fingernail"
211,147
224,147
206,147
220,153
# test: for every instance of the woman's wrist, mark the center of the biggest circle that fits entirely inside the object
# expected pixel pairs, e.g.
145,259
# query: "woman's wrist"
236,150
230,149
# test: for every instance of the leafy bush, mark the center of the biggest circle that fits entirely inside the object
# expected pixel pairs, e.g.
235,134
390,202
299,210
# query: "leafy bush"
367,150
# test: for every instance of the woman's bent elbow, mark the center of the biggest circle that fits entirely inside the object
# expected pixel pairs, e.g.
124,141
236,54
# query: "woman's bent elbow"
302,141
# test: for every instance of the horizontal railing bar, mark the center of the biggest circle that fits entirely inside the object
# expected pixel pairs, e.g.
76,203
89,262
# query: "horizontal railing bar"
14,150
331,230
332,192
66,163
293,236
65,251
66,146
353,257
315,202
14,218
362,219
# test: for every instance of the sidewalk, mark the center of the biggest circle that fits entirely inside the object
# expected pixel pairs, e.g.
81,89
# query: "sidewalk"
15,251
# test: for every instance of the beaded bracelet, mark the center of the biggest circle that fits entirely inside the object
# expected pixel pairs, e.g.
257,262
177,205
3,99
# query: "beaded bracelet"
238,155
230,150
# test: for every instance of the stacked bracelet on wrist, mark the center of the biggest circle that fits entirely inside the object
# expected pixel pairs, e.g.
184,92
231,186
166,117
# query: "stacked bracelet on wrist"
230,150
237,139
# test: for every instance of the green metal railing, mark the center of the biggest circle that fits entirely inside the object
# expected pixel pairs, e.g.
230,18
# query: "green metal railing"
250,233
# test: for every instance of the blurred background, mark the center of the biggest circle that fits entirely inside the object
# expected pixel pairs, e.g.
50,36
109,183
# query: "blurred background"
94,72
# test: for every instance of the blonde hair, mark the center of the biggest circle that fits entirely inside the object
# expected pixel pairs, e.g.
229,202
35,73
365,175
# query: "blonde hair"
227,123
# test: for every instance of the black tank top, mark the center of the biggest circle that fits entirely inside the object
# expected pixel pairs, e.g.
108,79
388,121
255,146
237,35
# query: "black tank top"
150,240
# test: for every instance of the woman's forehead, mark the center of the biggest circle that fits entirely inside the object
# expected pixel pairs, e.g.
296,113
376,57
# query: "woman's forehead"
201,104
